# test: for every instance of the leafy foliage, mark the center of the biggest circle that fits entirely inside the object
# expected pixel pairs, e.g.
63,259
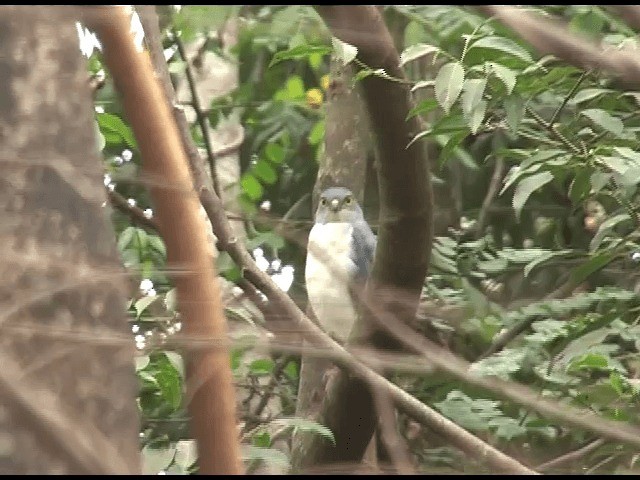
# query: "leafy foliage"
563,222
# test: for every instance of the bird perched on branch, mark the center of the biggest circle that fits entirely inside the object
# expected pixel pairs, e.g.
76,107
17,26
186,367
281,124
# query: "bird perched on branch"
339,253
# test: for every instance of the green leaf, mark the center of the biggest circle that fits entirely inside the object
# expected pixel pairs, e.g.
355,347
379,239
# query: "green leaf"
593,264
261,366
304,425
141,362
605,120
157,244
299,52
143,303
605,228
100,140
124,240
343,51
477,116
580,185
449,84
272,239
275,152
514,110
590,361
113,124
251,186
416,51
587,94
526,187
501,364
267,455
295,88
422,84
544,257
171,300
170,384
504,45
317,133
472,91
265,172
473,414
506,75
176,360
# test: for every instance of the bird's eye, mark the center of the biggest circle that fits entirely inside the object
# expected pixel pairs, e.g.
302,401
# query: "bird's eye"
348,201
323,202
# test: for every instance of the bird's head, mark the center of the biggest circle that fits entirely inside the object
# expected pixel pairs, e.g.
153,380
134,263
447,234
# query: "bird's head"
337,204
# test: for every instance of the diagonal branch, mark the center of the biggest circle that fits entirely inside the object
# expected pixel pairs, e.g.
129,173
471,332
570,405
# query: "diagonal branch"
197,106
551,37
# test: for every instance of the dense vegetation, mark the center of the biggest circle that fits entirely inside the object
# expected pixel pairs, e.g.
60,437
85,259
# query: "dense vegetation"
535,282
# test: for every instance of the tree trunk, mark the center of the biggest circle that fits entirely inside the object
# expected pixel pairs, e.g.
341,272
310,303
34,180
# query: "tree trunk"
404,236
68,389
347,148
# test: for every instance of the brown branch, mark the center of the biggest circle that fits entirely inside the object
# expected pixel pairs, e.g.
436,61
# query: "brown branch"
571,456
197,106
136,214
551,37
494,187
209,378
393,442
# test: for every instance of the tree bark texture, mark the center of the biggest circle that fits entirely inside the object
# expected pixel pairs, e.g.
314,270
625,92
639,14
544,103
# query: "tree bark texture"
67,382
404,235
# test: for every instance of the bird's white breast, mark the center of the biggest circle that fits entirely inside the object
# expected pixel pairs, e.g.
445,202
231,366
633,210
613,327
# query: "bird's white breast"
328,271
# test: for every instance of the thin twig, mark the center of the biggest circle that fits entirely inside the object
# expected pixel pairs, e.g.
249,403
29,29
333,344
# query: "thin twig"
494,187
553,130
197,106
568,97
394,443
571,456
136,214
268,390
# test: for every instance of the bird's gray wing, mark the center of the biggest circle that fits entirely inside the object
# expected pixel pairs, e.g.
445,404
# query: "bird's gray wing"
363,248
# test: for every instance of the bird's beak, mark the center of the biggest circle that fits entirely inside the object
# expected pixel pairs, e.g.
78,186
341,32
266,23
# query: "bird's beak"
334,204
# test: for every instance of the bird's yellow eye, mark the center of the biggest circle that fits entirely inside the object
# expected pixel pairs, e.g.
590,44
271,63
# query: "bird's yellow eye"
323,202
348,200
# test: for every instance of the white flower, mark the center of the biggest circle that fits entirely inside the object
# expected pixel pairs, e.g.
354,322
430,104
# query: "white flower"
107,179
135,328
127,155
98,109
151,292
284,279
146,285
266,205
131,202
88,40
148,213
118,160
263,263
276,264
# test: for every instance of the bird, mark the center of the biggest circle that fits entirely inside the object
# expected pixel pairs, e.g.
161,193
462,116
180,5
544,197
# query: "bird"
340,252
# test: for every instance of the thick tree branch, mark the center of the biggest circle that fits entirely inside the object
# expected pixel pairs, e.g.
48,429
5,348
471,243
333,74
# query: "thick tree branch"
405,232
209,378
